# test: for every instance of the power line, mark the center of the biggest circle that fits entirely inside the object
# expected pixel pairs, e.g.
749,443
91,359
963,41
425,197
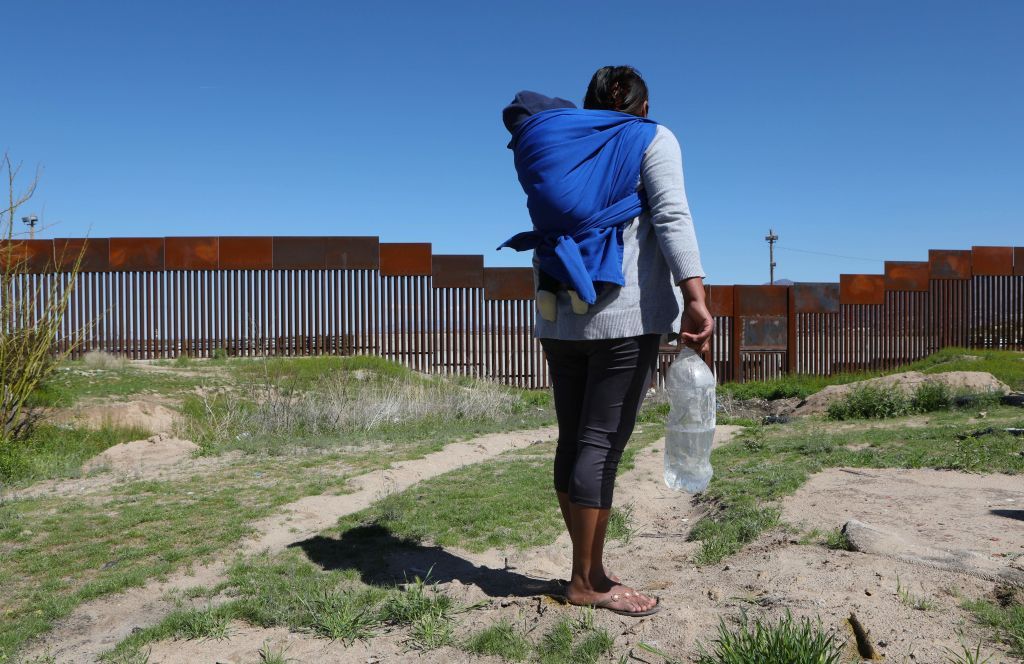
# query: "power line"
823,253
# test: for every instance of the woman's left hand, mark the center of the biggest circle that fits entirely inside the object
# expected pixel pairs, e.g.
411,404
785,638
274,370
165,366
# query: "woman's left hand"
698,324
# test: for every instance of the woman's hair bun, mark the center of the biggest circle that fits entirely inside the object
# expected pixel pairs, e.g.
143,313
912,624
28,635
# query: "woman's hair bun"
620,88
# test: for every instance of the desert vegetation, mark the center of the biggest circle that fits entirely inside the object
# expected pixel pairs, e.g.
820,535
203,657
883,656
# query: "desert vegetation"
463,562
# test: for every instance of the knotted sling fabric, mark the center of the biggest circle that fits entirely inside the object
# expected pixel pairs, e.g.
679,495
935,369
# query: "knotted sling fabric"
580,169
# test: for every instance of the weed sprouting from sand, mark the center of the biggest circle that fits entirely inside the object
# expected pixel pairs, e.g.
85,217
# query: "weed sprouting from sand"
792,641
268,654
502,639
620,523
668,659
917,602
574,641
414,603
834,539
432,630
964,655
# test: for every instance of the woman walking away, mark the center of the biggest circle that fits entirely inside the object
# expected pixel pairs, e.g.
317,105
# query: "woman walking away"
614,242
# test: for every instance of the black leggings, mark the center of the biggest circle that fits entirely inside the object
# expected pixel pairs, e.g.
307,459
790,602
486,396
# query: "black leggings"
599,386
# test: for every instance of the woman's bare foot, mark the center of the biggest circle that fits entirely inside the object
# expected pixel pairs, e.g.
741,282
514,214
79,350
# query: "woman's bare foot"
609,595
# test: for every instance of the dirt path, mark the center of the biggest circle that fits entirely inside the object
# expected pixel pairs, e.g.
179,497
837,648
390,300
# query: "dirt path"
99,625
769,577
510,582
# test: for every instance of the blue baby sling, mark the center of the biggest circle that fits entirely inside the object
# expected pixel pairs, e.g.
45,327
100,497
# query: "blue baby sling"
579,169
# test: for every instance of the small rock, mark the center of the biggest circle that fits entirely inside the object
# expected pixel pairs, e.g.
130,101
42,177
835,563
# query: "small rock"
882,644
714,595
867,592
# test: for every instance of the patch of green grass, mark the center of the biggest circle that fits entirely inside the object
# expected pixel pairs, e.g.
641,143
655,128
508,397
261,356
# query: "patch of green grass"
74,381
500,640
271,655
57,451
432,630
764,464
1005,617
726,533
789,641
287,590
505,502
574,641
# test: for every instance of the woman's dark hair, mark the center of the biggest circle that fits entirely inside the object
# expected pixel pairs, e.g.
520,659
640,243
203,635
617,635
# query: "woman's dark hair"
617,89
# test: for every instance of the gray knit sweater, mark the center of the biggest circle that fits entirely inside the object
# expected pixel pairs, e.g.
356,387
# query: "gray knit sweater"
659,250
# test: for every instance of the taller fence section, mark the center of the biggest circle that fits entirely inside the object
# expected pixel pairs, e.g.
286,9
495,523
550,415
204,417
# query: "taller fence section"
972,298
253,296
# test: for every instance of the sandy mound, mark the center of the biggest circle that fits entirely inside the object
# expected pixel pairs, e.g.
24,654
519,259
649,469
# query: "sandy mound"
141,456
958,381
151,416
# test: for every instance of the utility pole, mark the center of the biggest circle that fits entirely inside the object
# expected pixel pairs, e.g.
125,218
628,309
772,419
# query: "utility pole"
31,222
772,238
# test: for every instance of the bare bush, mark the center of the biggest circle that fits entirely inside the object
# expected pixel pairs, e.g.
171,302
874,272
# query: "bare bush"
31,312
97,359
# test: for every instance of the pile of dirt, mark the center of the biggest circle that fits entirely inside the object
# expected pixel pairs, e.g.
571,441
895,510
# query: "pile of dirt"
974,382
141,456
149,415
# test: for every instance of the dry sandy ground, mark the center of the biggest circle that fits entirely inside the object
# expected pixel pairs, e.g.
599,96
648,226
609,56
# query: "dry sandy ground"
97,626
150,414
771,576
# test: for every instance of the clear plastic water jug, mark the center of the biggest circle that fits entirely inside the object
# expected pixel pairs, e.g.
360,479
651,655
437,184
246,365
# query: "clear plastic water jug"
691,423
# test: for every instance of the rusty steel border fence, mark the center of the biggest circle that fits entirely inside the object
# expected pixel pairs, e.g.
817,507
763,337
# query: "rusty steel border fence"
149,298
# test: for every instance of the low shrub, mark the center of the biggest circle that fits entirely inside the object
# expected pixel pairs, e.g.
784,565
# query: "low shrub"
932,396
870,402
874,402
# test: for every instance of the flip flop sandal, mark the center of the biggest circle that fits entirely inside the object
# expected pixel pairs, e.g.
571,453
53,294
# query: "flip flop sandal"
611,599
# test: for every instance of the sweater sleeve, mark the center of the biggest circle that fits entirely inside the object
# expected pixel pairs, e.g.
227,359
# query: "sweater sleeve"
661,174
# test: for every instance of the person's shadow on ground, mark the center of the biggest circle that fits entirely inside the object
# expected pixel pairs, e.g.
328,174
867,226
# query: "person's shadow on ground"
380,558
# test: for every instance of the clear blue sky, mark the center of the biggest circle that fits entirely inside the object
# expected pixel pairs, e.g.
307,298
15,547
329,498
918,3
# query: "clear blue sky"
869,129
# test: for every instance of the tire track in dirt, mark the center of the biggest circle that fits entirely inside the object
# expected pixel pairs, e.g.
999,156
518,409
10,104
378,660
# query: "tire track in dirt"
98,625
